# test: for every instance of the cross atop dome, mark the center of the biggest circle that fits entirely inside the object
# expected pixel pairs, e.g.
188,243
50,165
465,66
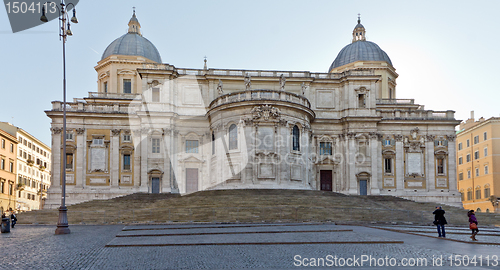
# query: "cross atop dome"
358,34
133,25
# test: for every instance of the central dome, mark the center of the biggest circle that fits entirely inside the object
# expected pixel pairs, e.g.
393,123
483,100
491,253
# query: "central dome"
133,43
359,50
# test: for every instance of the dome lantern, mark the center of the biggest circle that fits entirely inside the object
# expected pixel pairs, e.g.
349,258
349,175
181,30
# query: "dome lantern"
133,25
359,31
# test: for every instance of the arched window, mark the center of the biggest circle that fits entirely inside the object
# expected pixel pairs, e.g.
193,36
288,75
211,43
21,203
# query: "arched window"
295,138
213,143
233,137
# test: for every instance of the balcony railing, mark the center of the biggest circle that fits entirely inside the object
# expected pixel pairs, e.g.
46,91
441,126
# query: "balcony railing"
393,101
258,73
260,95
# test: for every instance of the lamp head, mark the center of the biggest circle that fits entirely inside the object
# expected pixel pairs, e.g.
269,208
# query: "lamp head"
43,18
68,31
74,19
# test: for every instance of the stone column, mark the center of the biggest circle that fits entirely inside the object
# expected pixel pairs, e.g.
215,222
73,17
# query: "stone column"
452,166
351,163
137,158
81,163
115,158
376,157
430,175
56,159
144,160
400,176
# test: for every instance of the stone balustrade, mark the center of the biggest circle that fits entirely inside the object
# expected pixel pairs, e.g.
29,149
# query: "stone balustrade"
393,101
86,107
417,115
114,95
258,73
260,94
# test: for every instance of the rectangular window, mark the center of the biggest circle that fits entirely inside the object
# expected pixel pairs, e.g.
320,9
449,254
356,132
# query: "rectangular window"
2,187
126,138
11,189
20,152
11,167
69,136
3,144
487,193
477,171
468,158
127,86
98,141
325,148
191,146
486,151
156,146
485,136
468,143
476,139
469,195
476,155
12,148
24,155
461,176
478,194
155,95
460,146
440,143
460,160
388,165
387,142
126,162
361,101
486,169
105,87
468,174
69,161
462,196
2,164
440,165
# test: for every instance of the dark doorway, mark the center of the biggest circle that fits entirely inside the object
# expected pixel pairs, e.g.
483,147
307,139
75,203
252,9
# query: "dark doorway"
363,185
155,185
325,180
191,180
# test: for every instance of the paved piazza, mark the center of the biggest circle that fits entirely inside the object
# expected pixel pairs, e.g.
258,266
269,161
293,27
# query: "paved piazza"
240,246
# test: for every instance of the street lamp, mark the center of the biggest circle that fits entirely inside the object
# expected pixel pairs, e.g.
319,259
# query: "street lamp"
64,31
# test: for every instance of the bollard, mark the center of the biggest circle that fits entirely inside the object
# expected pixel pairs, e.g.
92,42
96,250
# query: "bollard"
5,225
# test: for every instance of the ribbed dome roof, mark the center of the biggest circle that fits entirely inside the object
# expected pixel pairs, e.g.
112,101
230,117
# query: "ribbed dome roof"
360,51
133,44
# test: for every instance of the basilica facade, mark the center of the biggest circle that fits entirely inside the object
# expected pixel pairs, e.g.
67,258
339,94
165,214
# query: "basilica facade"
153,127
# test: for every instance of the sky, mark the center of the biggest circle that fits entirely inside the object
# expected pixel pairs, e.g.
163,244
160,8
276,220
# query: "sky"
445,52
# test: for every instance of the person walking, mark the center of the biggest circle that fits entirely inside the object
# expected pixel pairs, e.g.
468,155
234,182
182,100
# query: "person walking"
440,221
13,219
473,224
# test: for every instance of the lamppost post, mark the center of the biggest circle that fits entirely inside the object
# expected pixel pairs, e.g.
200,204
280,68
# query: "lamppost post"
64,31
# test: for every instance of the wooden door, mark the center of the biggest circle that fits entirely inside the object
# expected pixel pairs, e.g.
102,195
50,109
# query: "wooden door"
191,180
326,180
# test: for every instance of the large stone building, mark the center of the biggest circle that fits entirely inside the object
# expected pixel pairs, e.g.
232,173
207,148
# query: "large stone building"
478,163
33,169
8,150
154,127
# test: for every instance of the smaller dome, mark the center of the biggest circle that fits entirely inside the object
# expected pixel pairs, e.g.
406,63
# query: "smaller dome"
359,25
359,51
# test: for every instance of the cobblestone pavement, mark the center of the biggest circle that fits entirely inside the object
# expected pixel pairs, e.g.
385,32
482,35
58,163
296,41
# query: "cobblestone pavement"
36,247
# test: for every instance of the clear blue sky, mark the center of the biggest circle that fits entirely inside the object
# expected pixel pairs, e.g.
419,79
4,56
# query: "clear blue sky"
446,52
